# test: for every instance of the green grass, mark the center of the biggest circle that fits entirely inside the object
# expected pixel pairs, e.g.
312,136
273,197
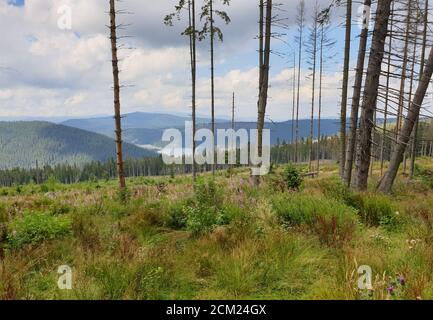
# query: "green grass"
222,238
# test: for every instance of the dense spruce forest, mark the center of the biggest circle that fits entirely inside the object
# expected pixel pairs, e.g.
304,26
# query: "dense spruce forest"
37,144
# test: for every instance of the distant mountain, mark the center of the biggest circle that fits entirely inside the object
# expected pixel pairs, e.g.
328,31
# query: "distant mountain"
22,144
146,129
280,131
136,120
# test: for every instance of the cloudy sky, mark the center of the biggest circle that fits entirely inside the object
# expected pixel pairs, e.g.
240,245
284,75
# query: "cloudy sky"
49,72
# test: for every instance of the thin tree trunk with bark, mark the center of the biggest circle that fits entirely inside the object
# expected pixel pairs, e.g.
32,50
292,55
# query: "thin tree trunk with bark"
357,89
319,120
370,93
413,114
301,17
263,95
193,40
313,93
212,40
424,45
343,112
293,99
116,82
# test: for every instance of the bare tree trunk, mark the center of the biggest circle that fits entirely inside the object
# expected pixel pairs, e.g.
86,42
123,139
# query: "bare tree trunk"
319,120
313,91
193,40
233,121
345,87
301,17
294,99
263,95
413,114
357,89
116,82
370,93
415,134
212,39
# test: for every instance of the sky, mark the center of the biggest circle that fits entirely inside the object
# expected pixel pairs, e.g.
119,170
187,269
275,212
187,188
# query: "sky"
48,71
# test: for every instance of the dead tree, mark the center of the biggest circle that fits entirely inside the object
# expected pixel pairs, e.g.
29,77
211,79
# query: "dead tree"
264,80
116,88
356,98
409,124
343,111
208,13
301,24
363,156
312,51
191,32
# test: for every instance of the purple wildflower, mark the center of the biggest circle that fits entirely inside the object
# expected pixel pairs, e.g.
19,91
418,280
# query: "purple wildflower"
402,280
390,290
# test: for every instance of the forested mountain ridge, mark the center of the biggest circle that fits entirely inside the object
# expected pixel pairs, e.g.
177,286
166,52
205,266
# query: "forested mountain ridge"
147,128
135,120
27,144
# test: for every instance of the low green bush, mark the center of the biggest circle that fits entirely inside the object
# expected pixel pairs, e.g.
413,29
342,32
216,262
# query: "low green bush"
293,177
207,193
35,227
376,210
334,188
331,220
201,220
177,216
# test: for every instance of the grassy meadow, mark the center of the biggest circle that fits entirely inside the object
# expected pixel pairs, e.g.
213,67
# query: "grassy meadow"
221,238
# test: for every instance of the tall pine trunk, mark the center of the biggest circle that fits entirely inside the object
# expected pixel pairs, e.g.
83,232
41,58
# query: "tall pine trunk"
193,40
116,87
363,156
356,99
212,40
409,124
301,18
313,91
319,118
343,111
263,94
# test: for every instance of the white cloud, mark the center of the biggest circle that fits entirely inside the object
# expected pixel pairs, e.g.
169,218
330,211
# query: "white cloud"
55,72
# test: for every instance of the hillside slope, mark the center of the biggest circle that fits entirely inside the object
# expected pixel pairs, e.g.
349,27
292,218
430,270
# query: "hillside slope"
22,144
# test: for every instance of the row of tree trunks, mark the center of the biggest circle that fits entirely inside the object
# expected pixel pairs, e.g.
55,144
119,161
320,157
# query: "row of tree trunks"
409,124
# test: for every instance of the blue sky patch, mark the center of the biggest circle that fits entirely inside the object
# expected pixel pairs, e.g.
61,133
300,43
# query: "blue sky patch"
18,3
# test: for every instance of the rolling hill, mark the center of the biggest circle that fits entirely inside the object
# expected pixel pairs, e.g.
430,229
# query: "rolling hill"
22,144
